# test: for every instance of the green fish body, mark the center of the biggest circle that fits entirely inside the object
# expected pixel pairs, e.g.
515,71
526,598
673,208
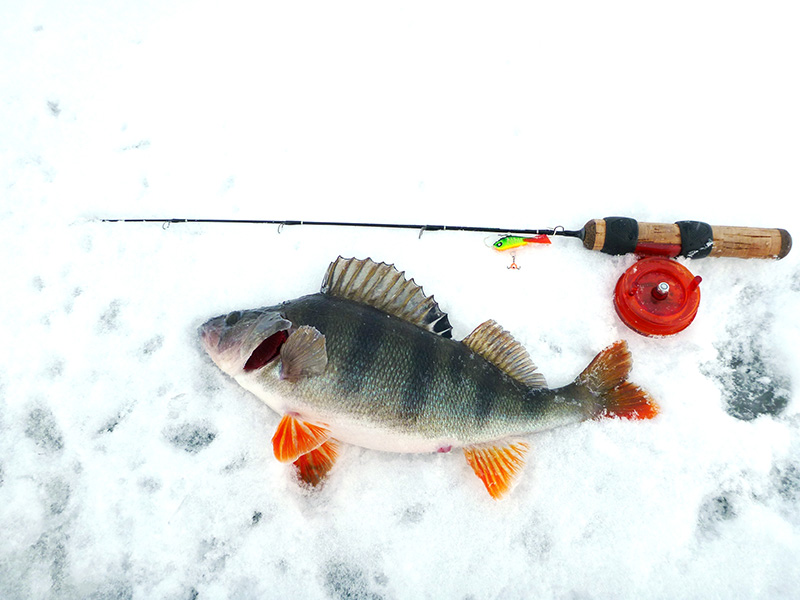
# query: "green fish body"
370,361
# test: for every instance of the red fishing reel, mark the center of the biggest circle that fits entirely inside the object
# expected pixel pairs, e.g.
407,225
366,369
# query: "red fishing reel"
657,297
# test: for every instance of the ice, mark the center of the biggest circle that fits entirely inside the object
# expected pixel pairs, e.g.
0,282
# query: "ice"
131,467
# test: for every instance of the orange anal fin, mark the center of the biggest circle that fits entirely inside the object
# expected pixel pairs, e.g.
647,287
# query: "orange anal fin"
295,437
313,466
497,466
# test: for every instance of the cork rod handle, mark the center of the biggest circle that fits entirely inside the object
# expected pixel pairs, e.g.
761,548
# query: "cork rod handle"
693,239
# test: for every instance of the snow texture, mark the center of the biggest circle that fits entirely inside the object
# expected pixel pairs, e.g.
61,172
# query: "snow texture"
131,467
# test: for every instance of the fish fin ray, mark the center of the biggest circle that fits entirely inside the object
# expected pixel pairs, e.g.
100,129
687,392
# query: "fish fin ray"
499,347
497,465
303,354
382,286
295,437
606,378
312,467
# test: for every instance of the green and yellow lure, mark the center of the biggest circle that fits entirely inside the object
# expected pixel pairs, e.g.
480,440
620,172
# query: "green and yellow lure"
509,242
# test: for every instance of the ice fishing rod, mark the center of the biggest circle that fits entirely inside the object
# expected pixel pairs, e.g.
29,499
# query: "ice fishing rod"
657,296
421,228
612,235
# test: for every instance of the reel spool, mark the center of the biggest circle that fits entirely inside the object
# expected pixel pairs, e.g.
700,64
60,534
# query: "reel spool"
657,297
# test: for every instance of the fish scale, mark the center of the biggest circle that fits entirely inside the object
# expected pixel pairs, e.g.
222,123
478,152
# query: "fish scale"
369,361
401,376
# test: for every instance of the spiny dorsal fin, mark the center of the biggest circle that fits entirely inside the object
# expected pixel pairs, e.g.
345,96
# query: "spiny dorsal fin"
497,346
383,287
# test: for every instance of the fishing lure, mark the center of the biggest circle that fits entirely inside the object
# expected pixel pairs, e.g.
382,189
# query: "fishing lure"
509,242
512,242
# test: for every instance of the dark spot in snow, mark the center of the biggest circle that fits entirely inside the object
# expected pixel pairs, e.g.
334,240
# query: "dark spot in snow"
152,345
787,482
55,367
110,425
58,493
41,427
714,511
118,590
109,320
257,517
348,582
795,282
750,373
191,437
752,387
213,554
50,549
150,484
413,514
141,144
54,108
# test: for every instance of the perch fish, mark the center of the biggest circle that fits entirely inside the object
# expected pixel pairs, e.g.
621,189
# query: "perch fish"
370,361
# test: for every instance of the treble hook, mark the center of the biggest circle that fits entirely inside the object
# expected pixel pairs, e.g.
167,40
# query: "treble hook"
280,227
513,264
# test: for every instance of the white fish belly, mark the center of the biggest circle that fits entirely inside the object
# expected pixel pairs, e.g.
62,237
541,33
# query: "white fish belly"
343,428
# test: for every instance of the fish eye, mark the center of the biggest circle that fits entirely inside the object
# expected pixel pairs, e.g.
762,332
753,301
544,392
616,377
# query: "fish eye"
233,318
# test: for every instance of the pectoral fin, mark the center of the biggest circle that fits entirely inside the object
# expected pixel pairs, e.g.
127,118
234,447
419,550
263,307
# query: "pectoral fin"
303,354
497,465
295,437
313,466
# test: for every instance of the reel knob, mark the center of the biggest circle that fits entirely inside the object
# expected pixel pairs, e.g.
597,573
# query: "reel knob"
657,297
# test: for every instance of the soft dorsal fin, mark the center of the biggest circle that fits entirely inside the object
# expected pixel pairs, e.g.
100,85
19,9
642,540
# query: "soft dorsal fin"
497,346
383,287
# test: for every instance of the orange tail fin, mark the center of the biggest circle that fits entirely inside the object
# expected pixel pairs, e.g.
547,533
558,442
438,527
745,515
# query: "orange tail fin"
606,378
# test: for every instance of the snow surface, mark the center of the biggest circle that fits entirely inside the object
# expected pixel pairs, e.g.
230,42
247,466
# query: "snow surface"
130,467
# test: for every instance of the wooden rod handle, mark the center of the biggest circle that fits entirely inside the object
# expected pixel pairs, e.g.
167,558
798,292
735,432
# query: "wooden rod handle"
751,242
693,239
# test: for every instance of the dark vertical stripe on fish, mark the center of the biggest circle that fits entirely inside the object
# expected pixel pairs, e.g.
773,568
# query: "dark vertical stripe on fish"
419,377
455,361
486,395
362,351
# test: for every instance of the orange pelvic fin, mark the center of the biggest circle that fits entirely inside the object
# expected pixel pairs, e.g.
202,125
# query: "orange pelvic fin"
313,466
295,437
497,466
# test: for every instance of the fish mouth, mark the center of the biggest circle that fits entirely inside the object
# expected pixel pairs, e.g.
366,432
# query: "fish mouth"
266,351
244,341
